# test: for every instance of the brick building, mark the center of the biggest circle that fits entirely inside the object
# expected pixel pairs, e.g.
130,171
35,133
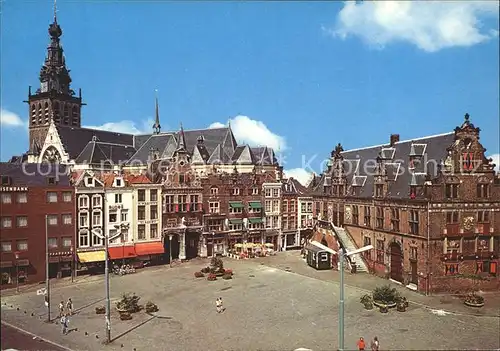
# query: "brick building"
32,194
233,210
429,206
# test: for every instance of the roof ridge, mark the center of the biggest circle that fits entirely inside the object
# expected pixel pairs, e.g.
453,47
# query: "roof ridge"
399,142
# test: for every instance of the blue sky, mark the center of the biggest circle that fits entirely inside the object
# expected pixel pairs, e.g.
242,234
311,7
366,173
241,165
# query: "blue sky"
306,75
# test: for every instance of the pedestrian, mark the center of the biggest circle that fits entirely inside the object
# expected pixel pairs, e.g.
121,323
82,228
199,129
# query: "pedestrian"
221,305
361,344
61,309
64,324
69,306
375,344
218,304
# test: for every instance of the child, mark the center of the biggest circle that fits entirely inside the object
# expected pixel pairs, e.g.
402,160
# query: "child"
375,344
221,304
361,344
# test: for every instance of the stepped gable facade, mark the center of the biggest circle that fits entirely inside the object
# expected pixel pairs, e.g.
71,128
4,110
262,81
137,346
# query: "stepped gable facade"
429,206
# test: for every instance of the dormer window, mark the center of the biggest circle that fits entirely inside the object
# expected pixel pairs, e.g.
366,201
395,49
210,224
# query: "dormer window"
89,181
51,180
118,182
214,190
379,190
6,181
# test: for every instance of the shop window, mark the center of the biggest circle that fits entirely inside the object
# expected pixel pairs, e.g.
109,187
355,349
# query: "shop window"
451,269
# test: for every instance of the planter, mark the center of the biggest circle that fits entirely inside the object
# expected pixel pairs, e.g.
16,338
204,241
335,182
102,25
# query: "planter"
473,304
227,276
125,316
401,307
388,305
198,275
383,309
100,310
368,306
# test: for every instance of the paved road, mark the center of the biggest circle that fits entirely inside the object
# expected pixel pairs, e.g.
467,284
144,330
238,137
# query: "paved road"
14,339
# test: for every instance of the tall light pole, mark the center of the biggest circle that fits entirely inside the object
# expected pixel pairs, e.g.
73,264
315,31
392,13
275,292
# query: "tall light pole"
342,256
170,249
72,263
47,282
17,270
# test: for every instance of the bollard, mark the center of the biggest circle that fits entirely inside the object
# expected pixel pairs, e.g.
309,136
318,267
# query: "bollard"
97,336
17,309
86,333
121,345
25,312
32,314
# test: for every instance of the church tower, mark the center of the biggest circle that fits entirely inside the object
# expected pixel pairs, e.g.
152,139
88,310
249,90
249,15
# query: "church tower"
54,100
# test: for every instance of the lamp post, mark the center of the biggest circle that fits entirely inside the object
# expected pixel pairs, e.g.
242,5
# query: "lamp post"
17,270
72,263
47,282
170,236
106,278
343,255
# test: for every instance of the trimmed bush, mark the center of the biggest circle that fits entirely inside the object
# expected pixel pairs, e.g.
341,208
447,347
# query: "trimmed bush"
228,271
211,277
227,276
198,275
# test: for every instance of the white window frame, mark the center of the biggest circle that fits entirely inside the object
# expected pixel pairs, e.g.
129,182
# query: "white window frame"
4,220
99,223
52,216
236,191
83,235
52,243
96,201
6,198
65,216
83,201
83,215
124,215
118,198
214,190
18,224
268,192
214,207
66,196
23,196
6,246
97,240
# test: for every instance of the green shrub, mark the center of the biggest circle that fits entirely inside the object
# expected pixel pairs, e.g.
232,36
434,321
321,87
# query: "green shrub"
385,294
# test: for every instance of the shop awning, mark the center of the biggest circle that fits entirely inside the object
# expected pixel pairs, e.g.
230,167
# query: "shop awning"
92,256
119,252
255,204
255,220
151,248
236,204
236,221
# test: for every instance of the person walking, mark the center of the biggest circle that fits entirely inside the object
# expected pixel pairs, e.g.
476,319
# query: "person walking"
69,306
218,304
221,304
61,309
375,344
64,324
361,344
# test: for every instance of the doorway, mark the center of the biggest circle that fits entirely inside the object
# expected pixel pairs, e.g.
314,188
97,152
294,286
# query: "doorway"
396,262
192,241
175,247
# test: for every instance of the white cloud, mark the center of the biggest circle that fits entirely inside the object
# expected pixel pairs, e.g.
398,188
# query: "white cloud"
300,174
126,126
496,161
254,133
430,25
10,119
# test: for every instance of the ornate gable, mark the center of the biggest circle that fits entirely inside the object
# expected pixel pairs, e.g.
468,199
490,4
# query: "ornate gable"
53,150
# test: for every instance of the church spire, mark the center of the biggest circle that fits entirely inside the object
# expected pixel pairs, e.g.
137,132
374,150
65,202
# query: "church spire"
54,76
157,126
181,145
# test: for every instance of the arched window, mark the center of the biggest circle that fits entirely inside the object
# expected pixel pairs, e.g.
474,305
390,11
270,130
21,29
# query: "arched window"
51,155
83,238
97,237
46,112
451,187
57,116
33,114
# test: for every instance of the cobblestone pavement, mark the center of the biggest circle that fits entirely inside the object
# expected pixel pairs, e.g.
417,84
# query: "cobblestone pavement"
292,261
266,309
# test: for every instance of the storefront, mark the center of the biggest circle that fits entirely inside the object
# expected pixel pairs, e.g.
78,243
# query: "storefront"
91,262
152,251
123,254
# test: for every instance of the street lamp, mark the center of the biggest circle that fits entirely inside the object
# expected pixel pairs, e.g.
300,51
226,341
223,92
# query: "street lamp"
106,278
342,255
72,263
47,282
17,270
170,236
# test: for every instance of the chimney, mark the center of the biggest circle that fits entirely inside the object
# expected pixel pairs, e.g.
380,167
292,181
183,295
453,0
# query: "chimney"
394,139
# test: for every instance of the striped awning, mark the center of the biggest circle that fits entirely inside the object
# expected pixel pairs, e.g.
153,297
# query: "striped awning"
92,256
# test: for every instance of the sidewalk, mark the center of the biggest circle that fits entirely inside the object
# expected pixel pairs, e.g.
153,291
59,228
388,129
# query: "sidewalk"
292,261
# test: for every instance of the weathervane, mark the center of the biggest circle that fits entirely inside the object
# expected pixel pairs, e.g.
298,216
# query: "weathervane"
55,10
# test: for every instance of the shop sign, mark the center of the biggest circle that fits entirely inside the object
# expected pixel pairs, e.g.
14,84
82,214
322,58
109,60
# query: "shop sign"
13,189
